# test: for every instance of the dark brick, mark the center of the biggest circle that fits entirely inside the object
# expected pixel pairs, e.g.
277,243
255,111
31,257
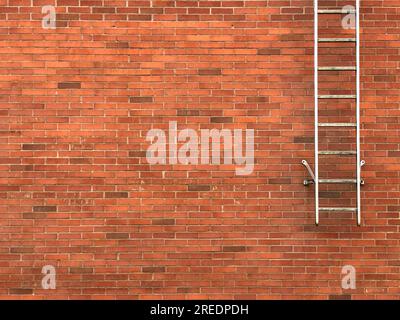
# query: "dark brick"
330,194
340,297
117,235
394,154
280,180
198,187
44,208
269,51
118,44
210,72
27,167
234,249
121,194
302,139
80,270
10,188
137,154
34,215
22,249
79,161
66,16
221,120
69,85
153,269
21,291
139,17
61,24
188,112
257,99
141,99
385,78
103,10
34,146
163,222
152,10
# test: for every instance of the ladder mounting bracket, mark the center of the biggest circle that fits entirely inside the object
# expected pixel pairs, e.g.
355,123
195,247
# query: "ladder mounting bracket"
307,182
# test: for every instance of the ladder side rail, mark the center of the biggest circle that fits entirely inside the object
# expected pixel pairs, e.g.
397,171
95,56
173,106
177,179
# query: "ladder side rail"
358,91
316,171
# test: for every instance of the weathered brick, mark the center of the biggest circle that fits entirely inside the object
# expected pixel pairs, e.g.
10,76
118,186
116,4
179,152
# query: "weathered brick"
22,250
221,120
44,208
188,113
116,194
210,72
79,161
118,44
164,221
117,235
34,146
282,181
69,85
34,215
141,99
137,154
20,291
198,187
234,249
269,51
340,297
330,194
301,139
257,99
80,270
153,269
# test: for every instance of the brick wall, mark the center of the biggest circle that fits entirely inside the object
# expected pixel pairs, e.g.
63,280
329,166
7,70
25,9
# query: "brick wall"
78,193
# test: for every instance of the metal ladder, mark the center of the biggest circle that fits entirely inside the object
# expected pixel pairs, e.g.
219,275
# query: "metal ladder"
315,176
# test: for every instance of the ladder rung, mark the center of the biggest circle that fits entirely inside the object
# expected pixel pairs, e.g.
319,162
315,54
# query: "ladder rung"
332,11
339,209
337,68
337,40
345,181
337,152
337,96
332,124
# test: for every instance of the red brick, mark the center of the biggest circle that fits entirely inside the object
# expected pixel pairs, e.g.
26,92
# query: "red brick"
164,221
116,194
198,187
69,85
44,208
38,146
141,99
21,291
269,51
210,72
79,270
153,269
234,248
221,120
117,235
